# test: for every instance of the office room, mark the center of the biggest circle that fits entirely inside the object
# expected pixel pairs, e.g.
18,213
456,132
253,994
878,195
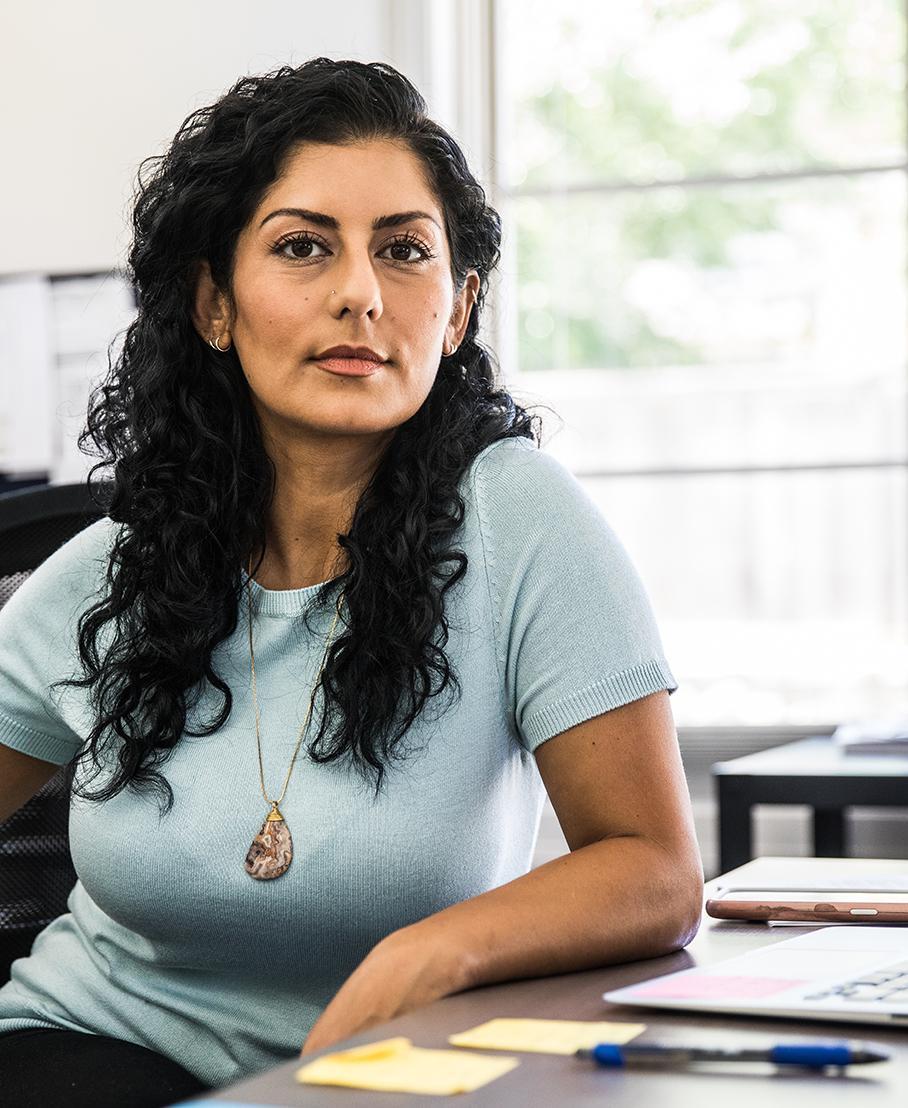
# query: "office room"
587,326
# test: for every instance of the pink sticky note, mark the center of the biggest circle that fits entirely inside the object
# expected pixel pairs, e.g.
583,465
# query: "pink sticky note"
702,986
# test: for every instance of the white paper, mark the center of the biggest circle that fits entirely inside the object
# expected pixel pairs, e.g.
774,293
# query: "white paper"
89,312
881,729
26,375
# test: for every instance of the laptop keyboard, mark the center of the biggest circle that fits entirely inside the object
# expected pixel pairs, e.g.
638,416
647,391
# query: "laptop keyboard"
889,984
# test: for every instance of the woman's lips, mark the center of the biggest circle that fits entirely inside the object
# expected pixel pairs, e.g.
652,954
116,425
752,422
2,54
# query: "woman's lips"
350,367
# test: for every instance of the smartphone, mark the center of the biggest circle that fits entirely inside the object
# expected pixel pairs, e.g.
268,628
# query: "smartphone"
810,905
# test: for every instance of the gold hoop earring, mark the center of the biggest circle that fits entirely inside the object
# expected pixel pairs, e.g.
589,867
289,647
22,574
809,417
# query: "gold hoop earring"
215,345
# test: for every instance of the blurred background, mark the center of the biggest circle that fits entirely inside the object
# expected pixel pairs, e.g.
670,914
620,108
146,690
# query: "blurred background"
703,280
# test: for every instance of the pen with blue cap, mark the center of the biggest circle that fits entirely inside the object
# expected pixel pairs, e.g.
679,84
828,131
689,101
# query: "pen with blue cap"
814,1055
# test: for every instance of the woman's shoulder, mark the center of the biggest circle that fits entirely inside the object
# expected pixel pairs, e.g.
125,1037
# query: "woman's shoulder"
73,572
506,451
515,477
84,551
520,459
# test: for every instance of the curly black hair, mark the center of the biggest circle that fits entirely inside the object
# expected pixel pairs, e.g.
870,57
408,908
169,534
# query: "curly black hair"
191,480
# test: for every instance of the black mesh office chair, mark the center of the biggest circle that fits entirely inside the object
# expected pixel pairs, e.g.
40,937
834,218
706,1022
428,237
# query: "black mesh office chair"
36,872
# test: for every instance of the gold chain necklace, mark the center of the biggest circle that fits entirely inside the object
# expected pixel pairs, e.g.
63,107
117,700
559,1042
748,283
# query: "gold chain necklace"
271,851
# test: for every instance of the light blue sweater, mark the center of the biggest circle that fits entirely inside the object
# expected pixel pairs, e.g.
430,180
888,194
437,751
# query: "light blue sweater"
167,941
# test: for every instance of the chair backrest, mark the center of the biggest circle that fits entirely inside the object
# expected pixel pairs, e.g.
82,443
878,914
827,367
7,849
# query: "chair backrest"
36,871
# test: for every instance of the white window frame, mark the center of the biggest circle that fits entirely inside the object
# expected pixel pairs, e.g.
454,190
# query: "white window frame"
451,50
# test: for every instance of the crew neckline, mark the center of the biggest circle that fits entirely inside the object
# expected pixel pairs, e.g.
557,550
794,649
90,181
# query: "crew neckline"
280,602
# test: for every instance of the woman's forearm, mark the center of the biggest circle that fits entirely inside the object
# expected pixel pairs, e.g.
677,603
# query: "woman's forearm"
615,900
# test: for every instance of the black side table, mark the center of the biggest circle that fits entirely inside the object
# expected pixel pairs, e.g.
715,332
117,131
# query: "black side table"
812,771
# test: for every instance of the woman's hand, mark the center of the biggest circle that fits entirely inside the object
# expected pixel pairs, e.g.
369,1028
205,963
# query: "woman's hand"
408,969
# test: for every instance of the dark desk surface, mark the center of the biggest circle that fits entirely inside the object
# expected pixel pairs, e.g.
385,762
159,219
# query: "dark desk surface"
814,771
817,756
550,1081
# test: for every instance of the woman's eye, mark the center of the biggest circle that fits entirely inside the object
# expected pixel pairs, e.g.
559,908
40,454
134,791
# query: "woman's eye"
300,243
300,247
405,247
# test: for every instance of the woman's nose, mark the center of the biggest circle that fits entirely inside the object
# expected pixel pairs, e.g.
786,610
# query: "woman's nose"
356,289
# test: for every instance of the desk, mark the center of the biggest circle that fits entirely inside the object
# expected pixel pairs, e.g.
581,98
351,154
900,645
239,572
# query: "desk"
812,771
550,1081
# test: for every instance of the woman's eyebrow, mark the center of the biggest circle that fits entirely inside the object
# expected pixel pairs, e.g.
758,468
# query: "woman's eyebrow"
329,221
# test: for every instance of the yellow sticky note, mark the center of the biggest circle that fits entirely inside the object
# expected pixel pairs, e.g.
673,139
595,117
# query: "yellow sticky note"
397,1066
545,1036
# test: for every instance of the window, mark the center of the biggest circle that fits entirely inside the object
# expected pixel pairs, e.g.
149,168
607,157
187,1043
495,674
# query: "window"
705,221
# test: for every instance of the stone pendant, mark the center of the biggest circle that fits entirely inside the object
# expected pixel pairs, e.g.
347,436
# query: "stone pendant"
272,848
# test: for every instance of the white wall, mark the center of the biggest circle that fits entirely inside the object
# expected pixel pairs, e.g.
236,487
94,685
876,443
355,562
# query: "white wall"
91,88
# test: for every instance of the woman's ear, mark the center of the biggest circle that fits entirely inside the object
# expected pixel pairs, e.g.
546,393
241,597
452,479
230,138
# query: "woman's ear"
463,305
210,315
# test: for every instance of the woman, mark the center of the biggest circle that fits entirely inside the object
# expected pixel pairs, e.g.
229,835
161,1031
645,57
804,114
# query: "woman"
327,525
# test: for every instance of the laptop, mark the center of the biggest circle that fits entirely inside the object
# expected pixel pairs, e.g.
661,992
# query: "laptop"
838,972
